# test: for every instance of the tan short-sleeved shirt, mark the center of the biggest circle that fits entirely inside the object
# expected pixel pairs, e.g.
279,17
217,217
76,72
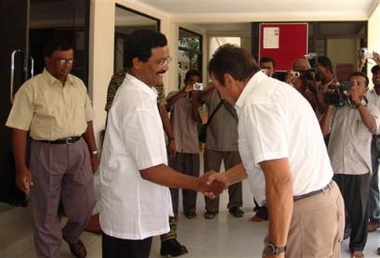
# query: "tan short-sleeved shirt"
50,111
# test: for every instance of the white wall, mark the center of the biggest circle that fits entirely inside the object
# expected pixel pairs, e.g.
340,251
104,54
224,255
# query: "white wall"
343,50
102,24
102,48
100,58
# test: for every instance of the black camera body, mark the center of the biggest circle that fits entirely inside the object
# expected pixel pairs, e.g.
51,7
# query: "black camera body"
312,73
337,94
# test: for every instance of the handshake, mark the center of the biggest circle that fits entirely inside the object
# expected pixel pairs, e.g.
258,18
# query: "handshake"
212,184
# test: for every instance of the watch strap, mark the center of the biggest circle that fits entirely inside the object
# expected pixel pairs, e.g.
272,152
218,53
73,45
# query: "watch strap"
272,249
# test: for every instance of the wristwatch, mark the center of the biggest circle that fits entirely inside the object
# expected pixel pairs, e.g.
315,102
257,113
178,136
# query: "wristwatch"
272,249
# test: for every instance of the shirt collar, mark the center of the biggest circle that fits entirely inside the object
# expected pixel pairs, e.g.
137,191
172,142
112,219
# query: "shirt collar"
255,80
51,79
144,87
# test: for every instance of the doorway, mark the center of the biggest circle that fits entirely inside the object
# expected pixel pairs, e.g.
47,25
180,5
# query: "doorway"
21,57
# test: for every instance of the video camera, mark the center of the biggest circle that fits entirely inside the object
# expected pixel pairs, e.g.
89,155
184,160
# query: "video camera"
336,94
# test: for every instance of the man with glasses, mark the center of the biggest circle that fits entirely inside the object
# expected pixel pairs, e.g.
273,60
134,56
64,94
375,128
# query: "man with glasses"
55,109
169,244
134,176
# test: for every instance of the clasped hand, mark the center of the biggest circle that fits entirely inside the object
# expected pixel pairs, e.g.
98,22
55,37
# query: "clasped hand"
213,184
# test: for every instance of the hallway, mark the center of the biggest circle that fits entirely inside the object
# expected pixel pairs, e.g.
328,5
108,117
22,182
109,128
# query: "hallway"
222,237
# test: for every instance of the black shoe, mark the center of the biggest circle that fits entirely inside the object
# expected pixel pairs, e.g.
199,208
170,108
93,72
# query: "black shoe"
172,248
261,212
210,215
236,212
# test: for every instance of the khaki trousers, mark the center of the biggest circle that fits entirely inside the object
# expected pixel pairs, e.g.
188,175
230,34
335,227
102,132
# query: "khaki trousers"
317,225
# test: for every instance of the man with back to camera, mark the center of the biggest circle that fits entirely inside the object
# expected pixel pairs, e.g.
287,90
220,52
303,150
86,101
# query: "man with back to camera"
135,204
55,109
351,127
291,160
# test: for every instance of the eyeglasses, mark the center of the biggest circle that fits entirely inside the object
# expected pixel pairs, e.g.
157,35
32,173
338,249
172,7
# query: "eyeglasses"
163,62
64,61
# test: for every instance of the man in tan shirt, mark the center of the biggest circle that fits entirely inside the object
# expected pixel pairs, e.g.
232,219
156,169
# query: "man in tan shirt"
55,110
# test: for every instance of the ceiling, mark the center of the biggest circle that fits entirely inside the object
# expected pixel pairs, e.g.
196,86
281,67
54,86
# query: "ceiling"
220,17
236,15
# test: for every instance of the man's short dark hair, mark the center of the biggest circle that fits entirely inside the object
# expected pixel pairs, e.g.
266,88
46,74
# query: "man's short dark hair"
192,73
233,60
267,59
360,74
375,69
54,45
325,62
140,44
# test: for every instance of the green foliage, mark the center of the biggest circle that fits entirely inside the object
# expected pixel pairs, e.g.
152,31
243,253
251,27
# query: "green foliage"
191,49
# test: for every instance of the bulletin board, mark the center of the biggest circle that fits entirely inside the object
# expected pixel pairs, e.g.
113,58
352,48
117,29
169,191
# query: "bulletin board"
284,42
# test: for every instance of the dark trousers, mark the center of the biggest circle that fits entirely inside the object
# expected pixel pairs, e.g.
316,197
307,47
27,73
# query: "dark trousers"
124,248
355,189
374,186
188,164
213,161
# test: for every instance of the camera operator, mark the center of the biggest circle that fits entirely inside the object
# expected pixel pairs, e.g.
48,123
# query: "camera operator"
302,79
184,119
351,127
325,71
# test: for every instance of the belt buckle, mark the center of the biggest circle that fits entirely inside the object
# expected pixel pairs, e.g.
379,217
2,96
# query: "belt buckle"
68,140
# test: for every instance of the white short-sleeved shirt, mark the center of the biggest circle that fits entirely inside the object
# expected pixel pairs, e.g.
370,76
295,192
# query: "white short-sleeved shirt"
374,99
275,121
132,207
350,140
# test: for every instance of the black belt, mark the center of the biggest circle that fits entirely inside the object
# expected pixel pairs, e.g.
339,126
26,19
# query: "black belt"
303,196
68,140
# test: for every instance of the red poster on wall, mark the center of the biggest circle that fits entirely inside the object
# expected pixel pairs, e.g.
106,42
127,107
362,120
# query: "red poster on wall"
284,42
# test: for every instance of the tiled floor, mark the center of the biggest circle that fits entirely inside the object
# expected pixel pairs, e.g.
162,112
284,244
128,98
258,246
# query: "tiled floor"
224,236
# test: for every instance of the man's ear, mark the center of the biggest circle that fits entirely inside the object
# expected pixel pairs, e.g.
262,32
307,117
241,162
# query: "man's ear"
47,61
228,80
136,63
